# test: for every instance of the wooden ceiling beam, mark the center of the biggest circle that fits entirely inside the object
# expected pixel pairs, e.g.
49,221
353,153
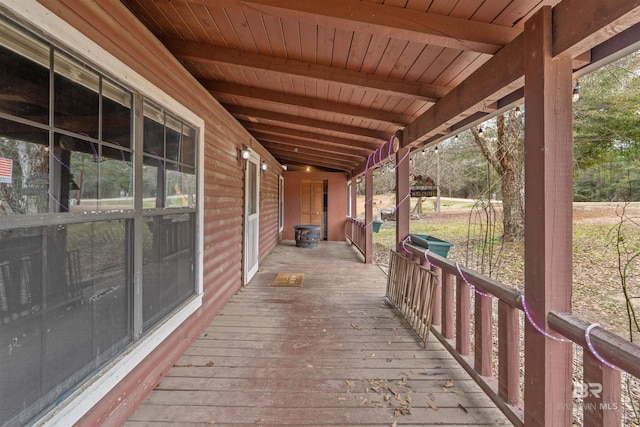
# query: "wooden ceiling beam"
287,68
319,161
386,21
294,143
253,114
269,96
310,136
303,151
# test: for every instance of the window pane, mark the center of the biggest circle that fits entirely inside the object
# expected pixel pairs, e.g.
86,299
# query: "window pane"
168,270
252,190
76,173
153,130
24,162
116,114
76,101
174,130
116,179
188,148
181,188
24,75
64,304
152,183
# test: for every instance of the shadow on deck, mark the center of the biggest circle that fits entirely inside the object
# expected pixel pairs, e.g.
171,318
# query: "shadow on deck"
332,352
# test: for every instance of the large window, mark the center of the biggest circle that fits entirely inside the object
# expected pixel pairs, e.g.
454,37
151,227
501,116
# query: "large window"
84,209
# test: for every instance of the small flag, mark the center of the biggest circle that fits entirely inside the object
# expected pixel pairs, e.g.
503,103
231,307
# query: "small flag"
6,166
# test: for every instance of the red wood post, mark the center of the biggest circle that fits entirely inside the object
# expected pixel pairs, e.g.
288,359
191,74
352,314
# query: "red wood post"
482,338
447,305
368,216
508,353
463,319
402,196
354,197
602,405
548,216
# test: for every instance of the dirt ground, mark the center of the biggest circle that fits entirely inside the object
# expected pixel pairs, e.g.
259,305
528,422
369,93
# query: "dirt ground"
597,286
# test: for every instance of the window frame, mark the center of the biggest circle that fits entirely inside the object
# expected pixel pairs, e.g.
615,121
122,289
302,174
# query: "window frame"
60,35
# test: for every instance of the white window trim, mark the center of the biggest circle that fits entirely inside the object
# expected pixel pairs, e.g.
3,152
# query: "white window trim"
79,403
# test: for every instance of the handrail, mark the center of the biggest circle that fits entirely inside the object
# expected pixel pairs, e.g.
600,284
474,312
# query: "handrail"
614,349
356,233
504,391
605,354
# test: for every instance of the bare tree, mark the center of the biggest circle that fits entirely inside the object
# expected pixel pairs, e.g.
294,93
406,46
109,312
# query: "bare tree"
505,154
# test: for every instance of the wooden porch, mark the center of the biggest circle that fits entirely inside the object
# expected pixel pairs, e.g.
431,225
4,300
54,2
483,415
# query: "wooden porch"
331,352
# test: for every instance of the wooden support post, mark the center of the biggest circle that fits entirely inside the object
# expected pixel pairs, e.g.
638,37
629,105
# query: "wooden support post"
368,216
354,197
548,216
402,196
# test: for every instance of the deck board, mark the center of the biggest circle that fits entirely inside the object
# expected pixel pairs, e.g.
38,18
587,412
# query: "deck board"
331,352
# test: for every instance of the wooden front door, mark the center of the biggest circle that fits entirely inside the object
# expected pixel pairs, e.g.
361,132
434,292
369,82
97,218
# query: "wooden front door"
311,203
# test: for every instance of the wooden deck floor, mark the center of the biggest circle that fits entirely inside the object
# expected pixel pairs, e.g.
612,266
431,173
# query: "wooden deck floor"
331,352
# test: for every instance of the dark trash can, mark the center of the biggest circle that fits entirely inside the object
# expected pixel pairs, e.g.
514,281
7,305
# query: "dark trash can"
307,235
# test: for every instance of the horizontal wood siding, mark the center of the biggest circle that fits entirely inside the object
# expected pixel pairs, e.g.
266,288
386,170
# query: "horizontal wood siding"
111,25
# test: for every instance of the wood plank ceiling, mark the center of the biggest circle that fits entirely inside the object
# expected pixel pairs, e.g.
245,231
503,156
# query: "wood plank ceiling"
323,83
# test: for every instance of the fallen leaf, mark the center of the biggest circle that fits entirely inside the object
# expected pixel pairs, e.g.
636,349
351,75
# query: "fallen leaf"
211,421
449,384
372,355
342,398
432,406
409,399
394,423
210,363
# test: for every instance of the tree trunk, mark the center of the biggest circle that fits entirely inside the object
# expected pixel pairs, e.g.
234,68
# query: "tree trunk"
506,156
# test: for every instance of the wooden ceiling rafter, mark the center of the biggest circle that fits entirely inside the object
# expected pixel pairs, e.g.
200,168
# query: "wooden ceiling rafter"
270,96
208,54
392,22
288,120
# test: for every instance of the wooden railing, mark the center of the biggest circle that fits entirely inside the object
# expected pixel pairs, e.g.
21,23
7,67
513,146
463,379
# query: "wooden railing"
355,232
452,324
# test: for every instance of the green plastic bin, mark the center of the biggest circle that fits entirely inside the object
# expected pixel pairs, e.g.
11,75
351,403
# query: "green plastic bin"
435,245
376,226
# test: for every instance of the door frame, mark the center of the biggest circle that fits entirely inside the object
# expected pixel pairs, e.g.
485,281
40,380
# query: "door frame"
251,235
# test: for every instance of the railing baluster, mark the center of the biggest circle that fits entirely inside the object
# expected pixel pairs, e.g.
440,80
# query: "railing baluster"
508,353
437,303
602,405
447,305
483,338
463,317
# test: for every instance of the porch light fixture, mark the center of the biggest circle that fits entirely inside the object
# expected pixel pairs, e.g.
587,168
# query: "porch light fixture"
395,143
576,92
245,153
263,166
456,139
518,112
